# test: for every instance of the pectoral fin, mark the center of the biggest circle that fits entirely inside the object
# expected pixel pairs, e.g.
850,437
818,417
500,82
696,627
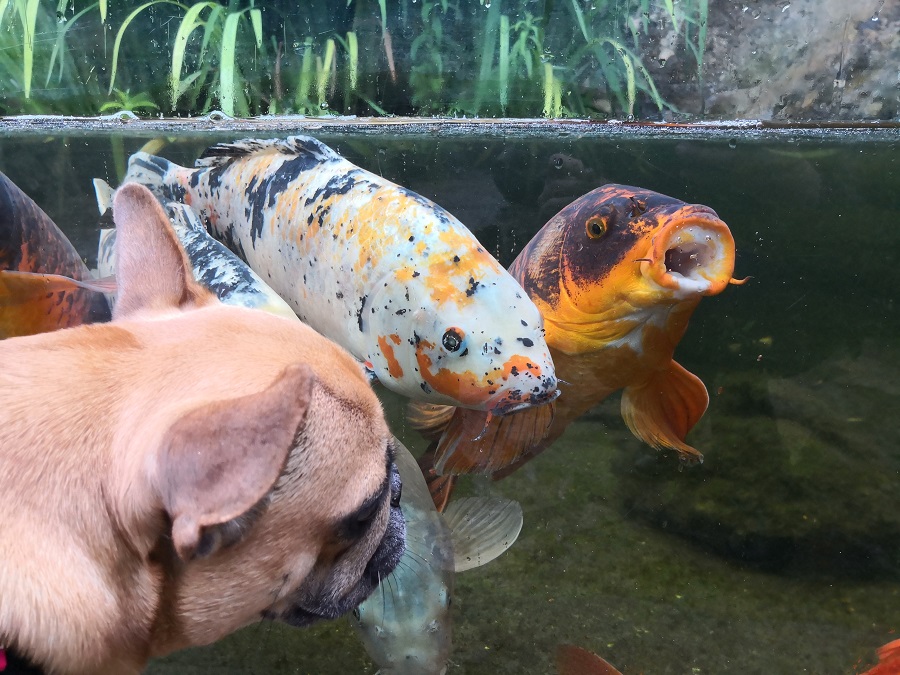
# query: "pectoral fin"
664,409
481,529
429,419
473,442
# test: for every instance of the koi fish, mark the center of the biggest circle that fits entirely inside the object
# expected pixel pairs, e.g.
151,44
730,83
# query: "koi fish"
405,624
572,660
389,275
44,284
213,265
616,275
888,660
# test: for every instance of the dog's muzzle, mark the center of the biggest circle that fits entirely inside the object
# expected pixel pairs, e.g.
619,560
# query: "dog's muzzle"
380,565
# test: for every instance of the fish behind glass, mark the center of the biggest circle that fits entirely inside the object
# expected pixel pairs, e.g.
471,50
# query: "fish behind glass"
44,284
389,275
616,275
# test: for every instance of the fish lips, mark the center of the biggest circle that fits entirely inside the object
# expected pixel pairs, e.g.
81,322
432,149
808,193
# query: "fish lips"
518,399
692,253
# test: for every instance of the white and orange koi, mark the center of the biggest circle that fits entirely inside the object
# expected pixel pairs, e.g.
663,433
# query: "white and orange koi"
386,273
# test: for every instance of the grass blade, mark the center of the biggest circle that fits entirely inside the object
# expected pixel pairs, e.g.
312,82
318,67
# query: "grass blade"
28,15
121,33
503,64
324,74
190,21
352,59
227,71
256,20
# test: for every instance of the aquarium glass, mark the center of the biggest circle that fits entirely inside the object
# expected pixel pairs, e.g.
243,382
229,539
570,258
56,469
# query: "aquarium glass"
780,553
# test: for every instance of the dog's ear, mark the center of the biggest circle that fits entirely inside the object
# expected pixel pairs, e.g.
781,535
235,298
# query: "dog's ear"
152,270
218,461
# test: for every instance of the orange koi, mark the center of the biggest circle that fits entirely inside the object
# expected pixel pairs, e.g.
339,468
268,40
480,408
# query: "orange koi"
616,276
888,660
44,284
572,660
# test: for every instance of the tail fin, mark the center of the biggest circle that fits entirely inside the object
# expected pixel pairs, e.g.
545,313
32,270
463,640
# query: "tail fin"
159,175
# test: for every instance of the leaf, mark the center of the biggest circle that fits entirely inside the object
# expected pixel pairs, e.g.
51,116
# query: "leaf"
121,32
503,62
256,21
28,16
323,76
190,21
352,59
579,16
227,71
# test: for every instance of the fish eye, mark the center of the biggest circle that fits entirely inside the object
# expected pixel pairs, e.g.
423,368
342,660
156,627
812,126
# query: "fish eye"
356,613
596,227
452,340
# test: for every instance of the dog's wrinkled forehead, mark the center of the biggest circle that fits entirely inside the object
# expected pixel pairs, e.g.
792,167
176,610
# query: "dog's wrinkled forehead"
340,457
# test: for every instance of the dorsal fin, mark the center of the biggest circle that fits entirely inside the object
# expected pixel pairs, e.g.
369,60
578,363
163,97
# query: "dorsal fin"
222,154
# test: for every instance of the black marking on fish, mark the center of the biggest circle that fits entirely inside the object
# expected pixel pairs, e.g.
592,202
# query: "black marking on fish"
166,189
473,286
425,387
232,242
300,146
264,194
336,185
526,341
359,312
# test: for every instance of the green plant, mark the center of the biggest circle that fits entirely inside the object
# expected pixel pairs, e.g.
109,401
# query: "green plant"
220,35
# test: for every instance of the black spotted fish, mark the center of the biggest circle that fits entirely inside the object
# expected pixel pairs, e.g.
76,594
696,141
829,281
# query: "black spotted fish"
392,277
213,265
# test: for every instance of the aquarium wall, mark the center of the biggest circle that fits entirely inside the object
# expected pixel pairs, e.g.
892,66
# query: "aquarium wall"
670,60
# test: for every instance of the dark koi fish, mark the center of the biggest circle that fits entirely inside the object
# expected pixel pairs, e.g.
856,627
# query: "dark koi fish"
44,284
616,275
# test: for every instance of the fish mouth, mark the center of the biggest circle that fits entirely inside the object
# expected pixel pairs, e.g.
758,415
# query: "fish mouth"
692,254
508,406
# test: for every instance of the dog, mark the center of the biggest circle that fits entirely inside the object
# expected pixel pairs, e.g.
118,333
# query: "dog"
182,471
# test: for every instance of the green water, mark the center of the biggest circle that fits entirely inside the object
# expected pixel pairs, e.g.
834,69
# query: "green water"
781,553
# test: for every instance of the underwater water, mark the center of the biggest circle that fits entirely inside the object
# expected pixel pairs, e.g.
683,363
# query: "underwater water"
781,552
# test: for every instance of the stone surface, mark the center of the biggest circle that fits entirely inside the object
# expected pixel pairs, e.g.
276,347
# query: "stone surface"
789,60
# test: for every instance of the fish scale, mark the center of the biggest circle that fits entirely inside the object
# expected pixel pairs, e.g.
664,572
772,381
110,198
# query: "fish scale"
391,276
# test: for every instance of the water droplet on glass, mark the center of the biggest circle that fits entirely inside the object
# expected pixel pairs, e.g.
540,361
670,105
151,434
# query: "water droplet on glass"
662,62
875,18
732,144
323,105
487,5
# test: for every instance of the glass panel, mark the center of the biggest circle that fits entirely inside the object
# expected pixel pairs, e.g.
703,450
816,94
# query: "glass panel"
779,553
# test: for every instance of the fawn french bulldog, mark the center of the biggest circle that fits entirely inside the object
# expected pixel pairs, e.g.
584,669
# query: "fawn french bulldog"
182,471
